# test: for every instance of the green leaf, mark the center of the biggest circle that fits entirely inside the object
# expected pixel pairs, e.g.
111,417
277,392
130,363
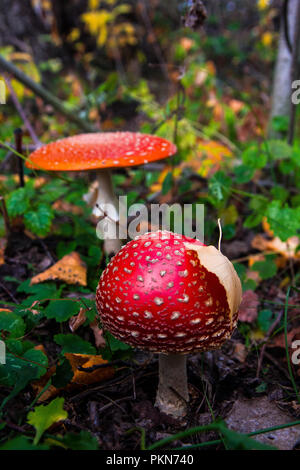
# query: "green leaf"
36,361
44,416
62,310
39,221
266,269
243,174
22,443
115,344
13,323
74,344
82,441
265,319
284,221
219,186
254,158
63,374
279,149
17,202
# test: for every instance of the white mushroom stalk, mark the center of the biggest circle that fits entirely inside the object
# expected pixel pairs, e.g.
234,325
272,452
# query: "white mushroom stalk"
106,207
172,394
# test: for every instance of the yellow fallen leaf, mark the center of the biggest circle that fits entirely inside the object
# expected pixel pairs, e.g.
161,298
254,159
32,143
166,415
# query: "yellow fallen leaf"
287,249
87,361
79,379
210,154
70,269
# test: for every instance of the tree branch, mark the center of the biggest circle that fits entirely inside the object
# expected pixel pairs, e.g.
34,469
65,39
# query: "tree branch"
40,91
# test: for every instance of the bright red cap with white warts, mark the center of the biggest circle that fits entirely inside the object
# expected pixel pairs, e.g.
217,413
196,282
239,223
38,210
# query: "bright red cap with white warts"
169,293
100,150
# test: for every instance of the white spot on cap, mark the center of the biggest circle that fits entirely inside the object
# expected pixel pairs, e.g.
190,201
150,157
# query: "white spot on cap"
158,301
185,298
175,315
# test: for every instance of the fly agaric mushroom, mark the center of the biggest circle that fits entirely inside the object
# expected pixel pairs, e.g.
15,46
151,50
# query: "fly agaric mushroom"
102,152
173,295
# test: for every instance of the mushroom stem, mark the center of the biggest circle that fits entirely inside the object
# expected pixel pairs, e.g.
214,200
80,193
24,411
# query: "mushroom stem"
107,206
172,394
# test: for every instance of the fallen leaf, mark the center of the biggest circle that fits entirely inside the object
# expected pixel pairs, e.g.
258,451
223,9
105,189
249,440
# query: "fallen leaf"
77,320
210,154
80,378
248,307
240,352
70,269
287,249
98,335
87,361
65,206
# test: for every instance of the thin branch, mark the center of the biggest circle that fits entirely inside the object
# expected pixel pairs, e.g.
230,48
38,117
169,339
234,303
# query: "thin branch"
40,91
21,112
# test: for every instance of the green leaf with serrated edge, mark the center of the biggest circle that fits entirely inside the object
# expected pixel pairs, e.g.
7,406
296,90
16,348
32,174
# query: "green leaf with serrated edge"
44,416
36,361
253,158
62,310
284,221
74,344
12,323
39,221
17,202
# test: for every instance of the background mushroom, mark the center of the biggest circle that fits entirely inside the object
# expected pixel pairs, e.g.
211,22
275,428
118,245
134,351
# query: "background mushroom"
102,152
173,295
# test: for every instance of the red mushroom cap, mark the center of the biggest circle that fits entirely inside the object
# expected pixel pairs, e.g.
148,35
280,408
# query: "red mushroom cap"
100,150
155,294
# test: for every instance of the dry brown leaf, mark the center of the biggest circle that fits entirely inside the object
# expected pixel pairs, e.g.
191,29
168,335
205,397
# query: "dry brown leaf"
98,334
80,378
240,352
86,361
64,206
77,320
287,249
248,307
70,269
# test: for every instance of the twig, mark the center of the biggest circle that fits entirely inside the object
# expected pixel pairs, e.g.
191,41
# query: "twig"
5,215
20,110
18,142
40,91
9,293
